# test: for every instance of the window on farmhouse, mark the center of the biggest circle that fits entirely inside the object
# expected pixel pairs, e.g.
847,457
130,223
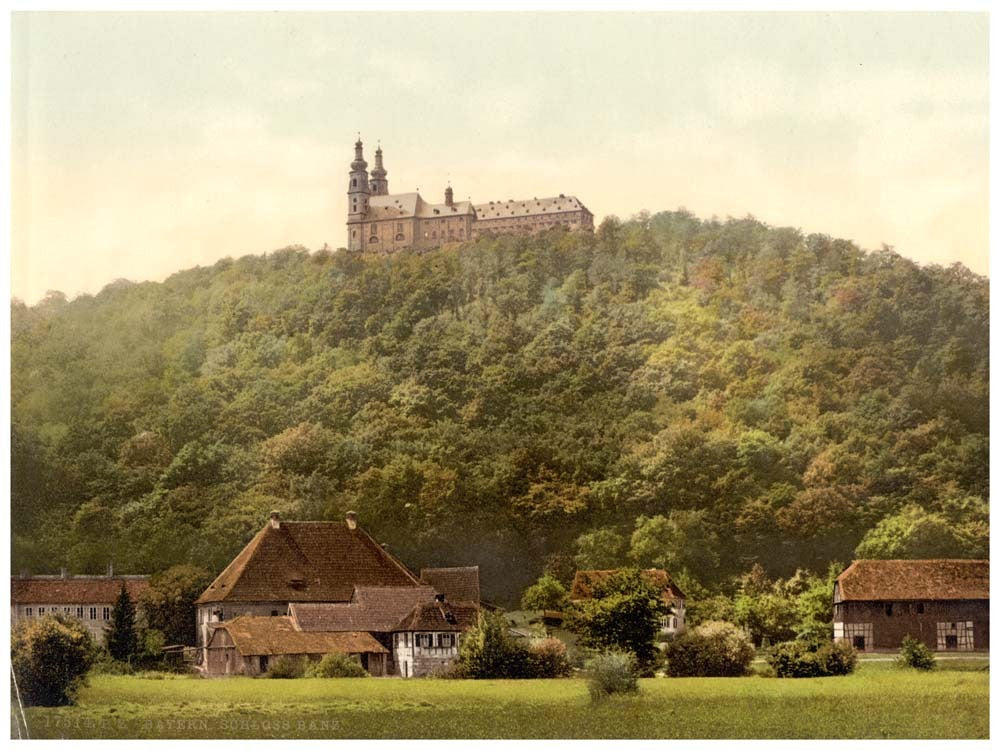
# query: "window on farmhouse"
93,613
888,609
79,612
859,642
41,610
106,613
920,608
27,611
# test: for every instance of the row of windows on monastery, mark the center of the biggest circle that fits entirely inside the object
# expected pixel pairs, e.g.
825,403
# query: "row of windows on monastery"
79,612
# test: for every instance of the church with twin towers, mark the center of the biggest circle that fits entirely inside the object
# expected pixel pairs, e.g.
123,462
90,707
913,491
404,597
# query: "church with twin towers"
381,222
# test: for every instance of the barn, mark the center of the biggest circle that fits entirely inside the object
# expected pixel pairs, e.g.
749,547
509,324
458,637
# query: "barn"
247,644
943,603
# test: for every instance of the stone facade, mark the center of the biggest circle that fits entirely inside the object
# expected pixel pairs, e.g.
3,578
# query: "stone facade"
381,223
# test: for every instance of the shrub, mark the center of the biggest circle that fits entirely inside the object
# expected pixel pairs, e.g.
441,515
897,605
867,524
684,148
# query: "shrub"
336,665
286,667
915,654
612,672
50,657
488,651
713,649
104,664
547,658
812,659
546,593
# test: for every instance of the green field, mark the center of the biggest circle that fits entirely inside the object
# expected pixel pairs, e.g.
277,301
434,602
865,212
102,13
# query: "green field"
878,701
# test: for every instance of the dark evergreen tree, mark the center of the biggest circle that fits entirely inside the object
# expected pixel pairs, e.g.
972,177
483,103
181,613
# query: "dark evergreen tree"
120,636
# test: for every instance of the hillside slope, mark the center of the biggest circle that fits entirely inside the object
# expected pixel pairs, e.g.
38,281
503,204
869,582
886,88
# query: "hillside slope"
704,395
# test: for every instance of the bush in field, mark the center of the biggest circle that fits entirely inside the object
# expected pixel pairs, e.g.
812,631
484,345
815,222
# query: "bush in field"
336,665
915,654
488,651
713,649
547,658
51,657
612,672
286,667
812,659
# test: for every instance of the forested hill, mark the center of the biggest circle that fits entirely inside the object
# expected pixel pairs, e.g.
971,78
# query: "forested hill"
702,395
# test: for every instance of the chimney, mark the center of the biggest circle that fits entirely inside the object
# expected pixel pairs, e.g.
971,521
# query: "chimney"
449,196
352,519
275,519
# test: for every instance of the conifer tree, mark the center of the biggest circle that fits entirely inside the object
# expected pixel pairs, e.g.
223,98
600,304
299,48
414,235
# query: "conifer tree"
120,636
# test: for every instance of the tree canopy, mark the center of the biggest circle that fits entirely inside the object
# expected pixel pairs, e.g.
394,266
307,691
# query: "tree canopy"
708,394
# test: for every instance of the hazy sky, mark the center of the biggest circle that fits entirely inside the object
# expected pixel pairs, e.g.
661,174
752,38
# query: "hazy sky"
148,143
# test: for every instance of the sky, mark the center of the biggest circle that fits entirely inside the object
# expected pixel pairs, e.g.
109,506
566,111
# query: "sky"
147,143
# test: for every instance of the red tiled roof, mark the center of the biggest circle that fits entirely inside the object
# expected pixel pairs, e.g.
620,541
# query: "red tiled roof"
307,561
375,609
457,584
255,636
440,615
585,580
902,580
75,589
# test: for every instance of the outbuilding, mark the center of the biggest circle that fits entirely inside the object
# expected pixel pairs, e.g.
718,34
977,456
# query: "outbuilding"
943,603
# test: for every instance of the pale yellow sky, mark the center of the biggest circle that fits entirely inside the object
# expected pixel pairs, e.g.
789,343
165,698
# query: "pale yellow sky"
144,144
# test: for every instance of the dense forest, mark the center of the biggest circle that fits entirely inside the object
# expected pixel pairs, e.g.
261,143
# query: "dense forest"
710,396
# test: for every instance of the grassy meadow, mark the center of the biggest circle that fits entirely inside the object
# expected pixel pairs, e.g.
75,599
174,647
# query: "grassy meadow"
878,701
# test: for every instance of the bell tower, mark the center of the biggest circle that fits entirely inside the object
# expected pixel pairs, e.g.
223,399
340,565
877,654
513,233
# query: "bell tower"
379,183
357,198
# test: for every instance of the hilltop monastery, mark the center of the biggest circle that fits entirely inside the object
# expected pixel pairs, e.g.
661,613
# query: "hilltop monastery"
381,222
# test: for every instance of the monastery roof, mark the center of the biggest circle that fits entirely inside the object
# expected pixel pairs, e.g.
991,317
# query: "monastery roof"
585,580
307,561
527,207
375,609
408,205
457,584
258,636
901,580
440,615
74,589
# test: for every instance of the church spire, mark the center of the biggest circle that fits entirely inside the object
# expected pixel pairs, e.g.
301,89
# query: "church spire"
380,185
357,196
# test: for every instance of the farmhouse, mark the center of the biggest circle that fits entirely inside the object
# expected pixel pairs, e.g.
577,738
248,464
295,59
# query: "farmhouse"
943,603
585,580
310,588
88,599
